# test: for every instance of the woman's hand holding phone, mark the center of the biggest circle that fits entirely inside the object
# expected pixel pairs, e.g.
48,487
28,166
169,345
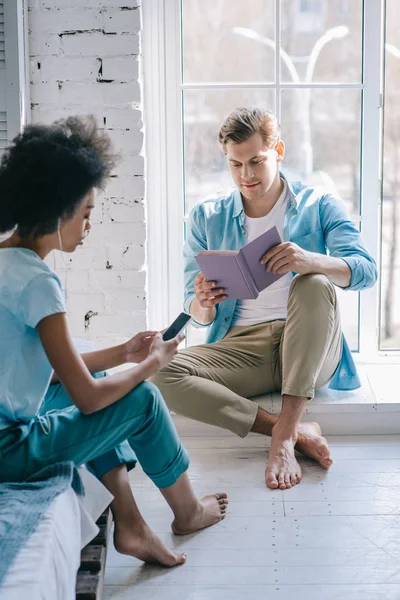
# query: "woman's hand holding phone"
164,352
137,348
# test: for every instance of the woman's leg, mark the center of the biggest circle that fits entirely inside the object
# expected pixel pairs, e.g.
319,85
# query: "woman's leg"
143,418
132,535
57,399
192,514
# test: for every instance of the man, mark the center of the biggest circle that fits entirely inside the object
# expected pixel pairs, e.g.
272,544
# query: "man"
290,337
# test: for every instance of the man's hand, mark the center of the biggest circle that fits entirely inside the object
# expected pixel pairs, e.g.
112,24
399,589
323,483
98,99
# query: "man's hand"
287,257
207,295
137,348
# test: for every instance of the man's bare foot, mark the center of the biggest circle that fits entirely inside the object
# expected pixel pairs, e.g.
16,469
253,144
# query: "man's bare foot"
141,542
311,443
283,471
210,510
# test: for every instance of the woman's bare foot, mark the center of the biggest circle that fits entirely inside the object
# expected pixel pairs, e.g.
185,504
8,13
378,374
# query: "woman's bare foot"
141,542
311,443
283,471
210,510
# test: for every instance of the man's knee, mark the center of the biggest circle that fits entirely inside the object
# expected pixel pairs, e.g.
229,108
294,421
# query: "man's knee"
312,286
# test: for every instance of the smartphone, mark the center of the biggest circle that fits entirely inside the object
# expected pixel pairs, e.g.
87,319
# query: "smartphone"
177,326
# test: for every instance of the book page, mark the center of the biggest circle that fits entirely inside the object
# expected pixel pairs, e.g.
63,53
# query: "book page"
253,253
225,270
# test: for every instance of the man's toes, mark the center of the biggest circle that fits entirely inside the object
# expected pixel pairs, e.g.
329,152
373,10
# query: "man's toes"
281,481
293,479
288,483
271,480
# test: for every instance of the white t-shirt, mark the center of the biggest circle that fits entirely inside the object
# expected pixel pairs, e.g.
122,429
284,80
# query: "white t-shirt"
271,303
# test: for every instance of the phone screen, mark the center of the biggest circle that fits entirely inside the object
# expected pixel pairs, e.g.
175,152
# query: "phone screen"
180,322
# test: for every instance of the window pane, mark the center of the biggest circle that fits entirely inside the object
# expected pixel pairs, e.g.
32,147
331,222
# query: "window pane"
349,314
322,40
218,42
205,167
323,148
321,129
390,272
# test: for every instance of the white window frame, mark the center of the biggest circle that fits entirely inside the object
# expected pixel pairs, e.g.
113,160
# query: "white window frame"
16,66
163,89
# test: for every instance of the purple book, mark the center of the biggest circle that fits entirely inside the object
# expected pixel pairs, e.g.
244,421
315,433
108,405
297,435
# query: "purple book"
239,272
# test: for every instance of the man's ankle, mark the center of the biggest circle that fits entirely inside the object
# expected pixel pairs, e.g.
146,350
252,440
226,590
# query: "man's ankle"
285,431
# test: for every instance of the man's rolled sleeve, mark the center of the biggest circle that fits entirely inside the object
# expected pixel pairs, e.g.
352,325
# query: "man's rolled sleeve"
343,240
195,242
361,271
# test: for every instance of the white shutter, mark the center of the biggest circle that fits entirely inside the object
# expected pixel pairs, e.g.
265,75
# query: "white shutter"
13,69
3,116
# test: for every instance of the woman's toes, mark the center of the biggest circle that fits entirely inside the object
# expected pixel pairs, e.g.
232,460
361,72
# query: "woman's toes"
181,559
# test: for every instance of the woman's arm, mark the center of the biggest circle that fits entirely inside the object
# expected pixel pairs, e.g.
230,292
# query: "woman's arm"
134,351
100,360
87,393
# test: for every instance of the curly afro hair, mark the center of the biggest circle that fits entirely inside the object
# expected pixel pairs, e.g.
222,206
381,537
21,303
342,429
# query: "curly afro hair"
47,171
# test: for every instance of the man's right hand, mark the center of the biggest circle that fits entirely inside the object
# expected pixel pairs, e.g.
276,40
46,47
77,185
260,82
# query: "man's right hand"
206,292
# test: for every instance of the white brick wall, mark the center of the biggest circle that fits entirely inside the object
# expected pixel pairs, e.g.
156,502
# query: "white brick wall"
86,60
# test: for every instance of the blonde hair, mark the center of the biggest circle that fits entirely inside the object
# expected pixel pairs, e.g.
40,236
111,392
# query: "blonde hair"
243,122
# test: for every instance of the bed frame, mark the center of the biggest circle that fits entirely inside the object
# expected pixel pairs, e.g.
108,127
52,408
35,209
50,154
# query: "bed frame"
89,582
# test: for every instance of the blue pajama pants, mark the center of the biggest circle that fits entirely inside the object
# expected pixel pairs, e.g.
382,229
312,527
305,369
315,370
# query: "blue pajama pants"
138,425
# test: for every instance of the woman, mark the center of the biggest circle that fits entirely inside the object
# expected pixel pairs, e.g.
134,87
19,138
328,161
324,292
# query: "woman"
47,180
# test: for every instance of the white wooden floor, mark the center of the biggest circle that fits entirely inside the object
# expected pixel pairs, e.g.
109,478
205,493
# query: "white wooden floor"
336,536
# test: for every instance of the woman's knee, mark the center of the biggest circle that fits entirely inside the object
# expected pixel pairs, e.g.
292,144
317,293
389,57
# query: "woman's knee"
149,395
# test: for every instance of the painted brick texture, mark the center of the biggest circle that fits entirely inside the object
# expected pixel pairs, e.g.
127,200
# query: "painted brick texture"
85,59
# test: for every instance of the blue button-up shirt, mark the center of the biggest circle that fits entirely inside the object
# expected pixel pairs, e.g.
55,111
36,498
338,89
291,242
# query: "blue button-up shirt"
315,220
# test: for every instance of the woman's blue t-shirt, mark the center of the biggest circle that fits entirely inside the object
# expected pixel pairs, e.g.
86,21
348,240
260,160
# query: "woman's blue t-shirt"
29,292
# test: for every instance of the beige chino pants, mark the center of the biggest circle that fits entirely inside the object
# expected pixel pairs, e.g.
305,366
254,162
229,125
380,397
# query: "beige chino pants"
212,383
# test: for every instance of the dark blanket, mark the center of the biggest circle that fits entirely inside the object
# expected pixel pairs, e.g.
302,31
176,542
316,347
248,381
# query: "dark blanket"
22,506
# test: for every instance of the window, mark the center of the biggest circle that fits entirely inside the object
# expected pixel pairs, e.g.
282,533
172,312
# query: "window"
310,6
390,261
13,60
14,104
324,83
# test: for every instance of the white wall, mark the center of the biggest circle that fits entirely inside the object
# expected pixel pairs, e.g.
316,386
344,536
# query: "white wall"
86,60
